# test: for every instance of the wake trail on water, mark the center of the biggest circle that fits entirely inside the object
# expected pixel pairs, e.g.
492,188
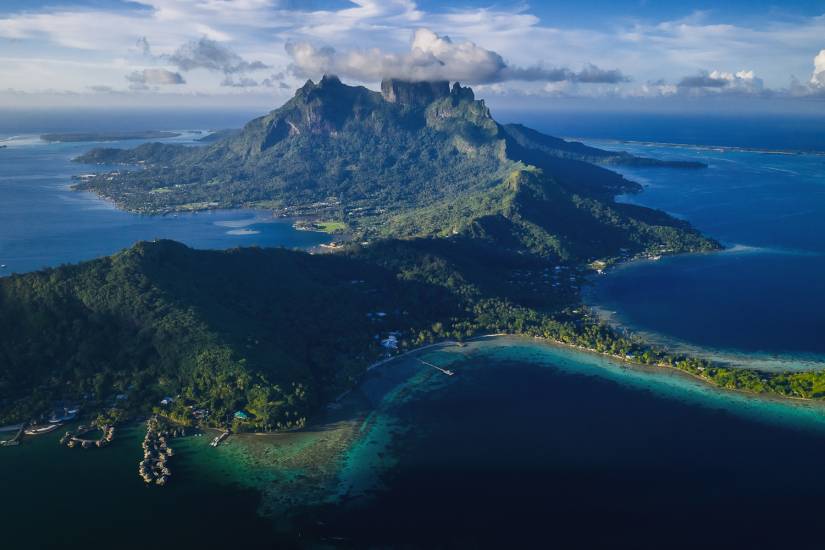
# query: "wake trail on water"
23,140
738,248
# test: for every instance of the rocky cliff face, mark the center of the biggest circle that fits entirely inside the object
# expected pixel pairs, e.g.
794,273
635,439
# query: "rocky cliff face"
414,94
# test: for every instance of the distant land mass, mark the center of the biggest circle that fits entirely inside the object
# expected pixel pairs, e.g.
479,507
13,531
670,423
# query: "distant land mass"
357,152
107,136
218,135
455,226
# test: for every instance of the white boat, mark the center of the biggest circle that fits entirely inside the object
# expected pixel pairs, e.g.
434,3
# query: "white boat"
68,414
38,430
11,428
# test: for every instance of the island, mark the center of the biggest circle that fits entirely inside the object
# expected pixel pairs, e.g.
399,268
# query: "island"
453,226
107,136
218,135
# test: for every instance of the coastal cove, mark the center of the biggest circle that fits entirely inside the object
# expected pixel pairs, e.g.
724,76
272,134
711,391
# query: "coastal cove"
760,303
46,224
347,477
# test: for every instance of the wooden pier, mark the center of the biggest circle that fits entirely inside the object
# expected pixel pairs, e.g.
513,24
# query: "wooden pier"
221,438
448,372
14,440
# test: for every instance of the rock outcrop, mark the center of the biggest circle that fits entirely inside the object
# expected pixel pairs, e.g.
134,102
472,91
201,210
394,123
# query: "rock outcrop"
414,94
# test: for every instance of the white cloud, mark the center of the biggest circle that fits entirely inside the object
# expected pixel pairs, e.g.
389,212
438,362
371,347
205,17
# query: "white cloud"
818,76
720,81
432,57
101,89
142,80
212,56
518,52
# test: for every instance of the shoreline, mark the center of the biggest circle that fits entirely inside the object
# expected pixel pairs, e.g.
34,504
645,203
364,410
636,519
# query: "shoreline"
615,360
771,363
703,147
658,368
618,361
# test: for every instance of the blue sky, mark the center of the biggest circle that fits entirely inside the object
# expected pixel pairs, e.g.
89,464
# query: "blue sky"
197,52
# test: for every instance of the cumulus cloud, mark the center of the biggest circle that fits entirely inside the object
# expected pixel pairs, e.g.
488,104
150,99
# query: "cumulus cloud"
432,57
591,74
818,76
720,81
276,81
141,80
143,46
239,82
212,56
655,88
100,89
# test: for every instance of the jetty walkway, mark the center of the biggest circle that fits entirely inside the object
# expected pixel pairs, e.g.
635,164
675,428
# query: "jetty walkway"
448,372
75,439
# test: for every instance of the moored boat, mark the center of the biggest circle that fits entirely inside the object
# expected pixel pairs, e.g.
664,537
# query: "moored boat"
66,416
38,430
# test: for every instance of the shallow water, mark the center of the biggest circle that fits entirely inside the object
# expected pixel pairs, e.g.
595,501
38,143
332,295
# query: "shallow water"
55,497
525,438
530,443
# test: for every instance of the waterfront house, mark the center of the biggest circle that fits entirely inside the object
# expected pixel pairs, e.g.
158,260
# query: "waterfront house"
391,342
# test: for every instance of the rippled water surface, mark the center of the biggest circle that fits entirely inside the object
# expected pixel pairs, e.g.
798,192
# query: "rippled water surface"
762,300
44,224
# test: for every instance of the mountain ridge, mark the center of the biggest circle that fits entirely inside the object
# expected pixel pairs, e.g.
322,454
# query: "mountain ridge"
458,227
398,163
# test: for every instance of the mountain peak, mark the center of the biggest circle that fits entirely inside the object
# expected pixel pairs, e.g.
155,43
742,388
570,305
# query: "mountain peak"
328,81
416,94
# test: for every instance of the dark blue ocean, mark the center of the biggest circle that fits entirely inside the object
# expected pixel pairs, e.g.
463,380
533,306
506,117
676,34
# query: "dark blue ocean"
762,300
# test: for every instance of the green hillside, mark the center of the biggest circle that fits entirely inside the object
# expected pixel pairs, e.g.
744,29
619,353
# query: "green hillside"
471,227
418,159
274,330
